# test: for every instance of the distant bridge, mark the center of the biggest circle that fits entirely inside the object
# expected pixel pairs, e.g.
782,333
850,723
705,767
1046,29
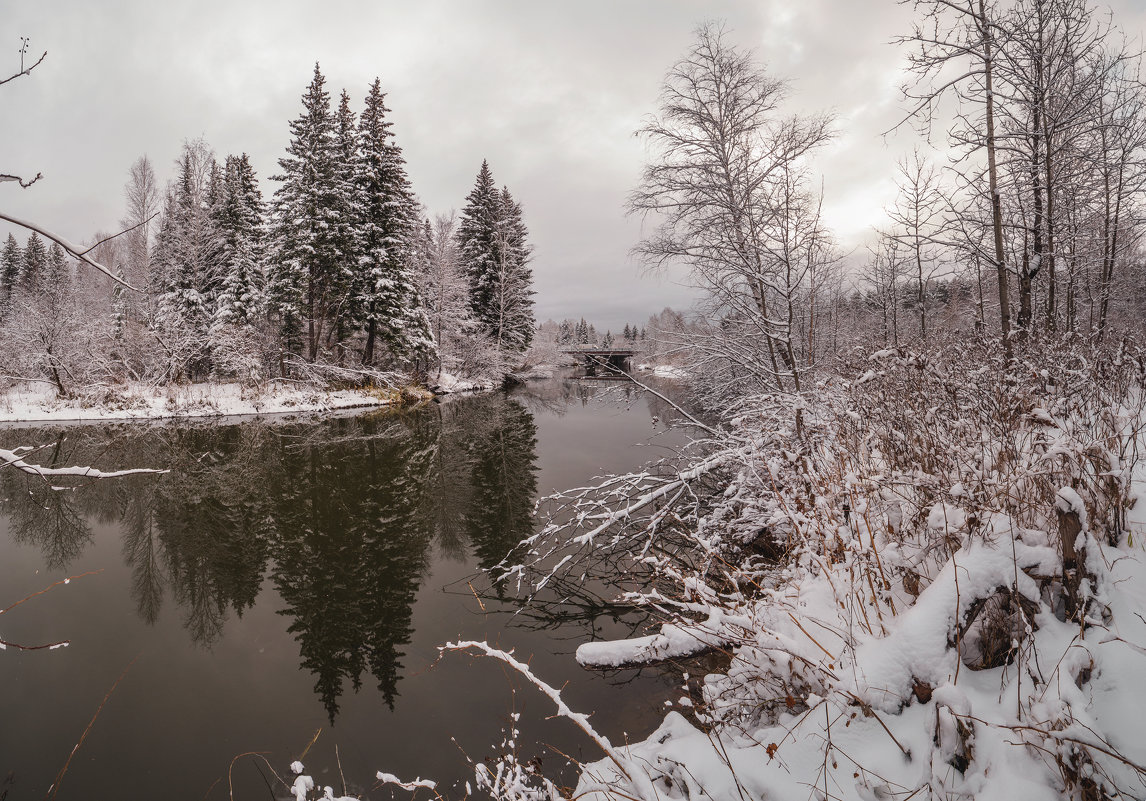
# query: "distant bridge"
612,359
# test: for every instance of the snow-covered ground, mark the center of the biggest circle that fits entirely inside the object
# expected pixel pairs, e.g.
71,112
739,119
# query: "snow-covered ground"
663,370
894,712
958,613
39,403
449,384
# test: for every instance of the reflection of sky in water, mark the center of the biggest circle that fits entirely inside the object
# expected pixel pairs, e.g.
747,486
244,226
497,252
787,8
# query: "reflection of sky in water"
287,577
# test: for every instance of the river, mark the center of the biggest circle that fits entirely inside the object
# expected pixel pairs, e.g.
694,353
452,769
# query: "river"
293,577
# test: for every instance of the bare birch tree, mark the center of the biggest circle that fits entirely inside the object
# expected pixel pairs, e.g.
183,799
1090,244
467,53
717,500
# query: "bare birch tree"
955,44
727,181
920,225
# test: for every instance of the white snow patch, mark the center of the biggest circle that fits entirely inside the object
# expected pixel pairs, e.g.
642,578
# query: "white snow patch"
448,383
390,778
37,403
673,642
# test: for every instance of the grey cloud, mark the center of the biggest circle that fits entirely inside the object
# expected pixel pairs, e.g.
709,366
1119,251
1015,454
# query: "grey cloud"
548,92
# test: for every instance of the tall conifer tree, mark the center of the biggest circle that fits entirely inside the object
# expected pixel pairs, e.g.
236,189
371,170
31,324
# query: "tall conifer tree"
305,278
514,297
187,248
391,309
35,261
240,216
11,263
345,226
495,253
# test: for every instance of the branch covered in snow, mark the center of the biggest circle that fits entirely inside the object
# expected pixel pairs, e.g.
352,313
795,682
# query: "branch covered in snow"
72,250
15,459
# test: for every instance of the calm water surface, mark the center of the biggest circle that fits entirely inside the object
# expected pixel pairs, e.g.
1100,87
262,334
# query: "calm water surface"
289,577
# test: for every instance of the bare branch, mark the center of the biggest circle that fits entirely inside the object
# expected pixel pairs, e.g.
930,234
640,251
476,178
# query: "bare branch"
71,249
6,178
24,72
121,233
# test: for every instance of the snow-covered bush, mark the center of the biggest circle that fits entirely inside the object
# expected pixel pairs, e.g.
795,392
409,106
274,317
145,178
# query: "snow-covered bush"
930,594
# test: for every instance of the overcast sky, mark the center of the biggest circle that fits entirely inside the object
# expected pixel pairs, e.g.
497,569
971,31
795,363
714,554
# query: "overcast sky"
549,92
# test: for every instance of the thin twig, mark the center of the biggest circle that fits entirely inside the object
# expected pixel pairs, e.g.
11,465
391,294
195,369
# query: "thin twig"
55,788
67,580
23,71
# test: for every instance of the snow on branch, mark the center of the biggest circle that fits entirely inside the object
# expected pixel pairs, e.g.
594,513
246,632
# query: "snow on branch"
14,458
72,250
390,778
638,779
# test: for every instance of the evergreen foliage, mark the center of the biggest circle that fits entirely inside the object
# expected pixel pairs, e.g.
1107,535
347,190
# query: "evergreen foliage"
35,261
495,254
385,285
345,220
582,332
309,275
11,264
188,259
57,266
240,221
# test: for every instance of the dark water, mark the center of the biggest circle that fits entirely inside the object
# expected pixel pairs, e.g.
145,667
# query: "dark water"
294,576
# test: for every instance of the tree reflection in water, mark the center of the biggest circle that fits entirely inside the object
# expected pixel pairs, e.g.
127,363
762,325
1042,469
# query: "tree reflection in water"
340,515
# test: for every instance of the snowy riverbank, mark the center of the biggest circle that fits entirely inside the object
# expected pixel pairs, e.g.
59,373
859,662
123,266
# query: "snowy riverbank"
40,403
932,592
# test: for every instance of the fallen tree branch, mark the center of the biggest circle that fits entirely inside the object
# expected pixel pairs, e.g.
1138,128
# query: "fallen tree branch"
581,720
15,460
55,788
67,580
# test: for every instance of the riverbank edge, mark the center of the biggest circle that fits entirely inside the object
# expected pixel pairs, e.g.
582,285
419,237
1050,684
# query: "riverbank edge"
209,400
36,403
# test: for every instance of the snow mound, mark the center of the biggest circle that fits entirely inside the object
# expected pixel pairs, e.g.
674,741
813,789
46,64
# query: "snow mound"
448,384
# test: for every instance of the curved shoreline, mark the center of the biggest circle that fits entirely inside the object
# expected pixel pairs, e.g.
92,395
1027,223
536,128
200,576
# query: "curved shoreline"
194,401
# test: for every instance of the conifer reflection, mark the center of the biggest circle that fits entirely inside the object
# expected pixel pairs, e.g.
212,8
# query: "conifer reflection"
340,517
504,480
351,547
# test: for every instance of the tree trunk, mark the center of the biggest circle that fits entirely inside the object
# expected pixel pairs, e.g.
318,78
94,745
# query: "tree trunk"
371,327
311,337
1048,258
993,179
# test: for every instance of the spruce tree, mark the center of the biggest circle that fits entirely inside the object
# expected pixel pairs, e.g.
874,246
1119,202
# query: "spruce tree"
386,288
188,258
305,283
35,262
240,220
11,263
477,232
345,220
495,253
515,321
57,268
